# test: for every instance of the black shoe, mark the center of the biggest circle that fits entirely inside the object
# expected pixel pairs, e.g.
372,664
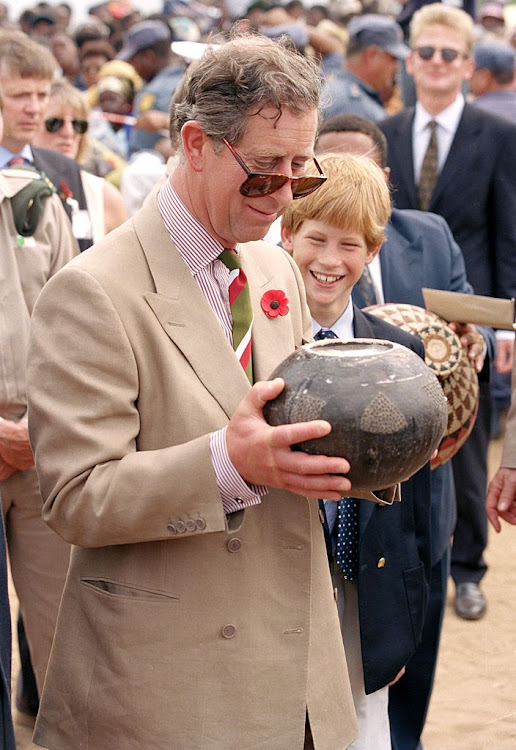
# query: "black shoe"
470,602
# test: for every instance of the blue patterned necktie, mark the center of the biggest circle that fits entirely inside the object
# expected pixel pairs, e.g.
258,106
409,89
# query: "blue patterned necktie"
325,333
346,554
346,524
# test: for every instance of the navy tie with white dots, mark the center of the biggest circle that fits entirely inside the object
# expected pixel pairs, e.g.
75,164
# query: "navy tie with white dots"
346,552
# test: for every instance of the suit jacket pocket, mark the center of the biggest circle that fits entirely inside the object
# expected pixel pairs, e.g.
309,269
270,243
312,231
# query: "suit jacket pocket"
416,589
106,587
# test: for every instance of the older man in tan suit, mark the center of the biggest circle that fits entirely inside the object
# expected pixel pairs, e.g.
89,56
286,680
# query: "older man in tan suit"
198,613
501,495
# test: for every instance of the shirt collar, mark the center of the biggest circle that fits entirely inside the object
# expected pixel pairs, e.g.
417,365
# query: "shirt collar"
6,155
448,119
194,243
343,327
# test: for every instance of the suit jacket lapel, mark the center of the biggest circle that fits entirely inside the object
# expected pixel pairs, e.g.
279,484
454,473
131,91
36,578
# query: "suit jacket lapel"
464,145
185,315
399,260
401,149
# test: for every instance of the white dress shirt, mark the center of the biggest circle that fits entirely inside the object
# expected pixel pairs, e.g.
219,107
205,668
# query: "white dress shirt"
447,124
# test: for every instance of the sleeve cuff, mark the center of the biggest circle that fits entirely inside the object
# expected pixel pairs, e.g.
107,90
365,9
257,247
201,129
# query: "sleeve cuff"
236,494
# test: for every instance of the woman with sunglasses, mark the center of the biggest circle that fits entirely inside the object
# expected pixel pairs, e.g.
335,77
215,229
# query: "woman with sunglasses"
65,129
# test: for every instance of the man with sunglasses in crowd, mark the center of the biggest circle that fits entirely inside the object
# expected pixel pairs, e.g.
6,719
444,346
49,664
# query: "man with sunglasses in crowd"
198,610
26,72
451,158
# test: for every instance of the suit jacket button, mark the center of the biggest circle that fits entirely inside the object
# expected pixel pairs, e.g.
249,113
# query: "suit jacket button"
234,544
201,524
228,631
180,526
190,525
171,527
381,563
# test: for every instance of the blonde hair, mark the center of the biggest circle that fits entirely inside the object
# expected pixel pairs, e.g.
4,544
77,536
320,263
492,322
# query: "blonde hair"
444,15
68,96
355,197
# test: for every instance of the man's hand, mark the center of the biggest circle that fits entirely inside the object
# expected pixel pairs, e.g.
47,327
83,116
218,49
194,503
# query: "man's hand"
262,454
5,470
15,448
501,497
472,340
504,355
152,120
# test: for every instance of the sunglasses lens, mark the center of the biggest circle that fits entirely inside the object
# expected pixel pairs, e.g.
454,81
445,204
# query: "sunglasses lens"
53,124
80,126
449,55
262,184
306,185
426,53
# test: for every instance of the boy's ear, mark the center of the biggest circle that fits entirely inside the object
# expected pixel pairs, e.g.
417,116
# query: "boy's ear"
286,239
371,254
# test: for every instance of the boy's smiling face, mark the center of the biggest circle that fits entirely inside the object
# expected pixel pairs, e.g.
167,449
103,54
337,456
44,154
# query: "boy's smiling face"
331,261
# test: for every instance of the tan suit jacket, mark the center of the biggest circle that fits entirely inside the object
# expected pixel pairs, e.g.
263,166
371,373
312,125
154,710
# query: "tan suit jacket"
509,444
178,629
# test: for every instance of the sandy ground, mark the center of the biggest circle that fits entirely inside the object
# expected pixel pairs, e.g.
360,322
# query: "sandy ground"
474,700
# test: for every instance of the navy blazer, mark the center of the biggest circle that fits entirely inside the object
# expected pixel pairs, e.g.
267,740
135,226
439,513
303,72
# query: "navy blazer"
392,599
419,251
475,192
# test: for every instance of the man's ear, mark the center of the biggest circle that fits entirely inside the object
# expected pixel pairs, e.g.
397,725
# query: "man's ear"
371,254
286,239
194,139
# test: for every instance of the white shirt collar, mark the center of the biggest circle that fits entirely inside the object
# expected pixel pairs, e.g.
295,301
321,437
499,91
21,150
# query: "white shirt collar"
343,327
448,119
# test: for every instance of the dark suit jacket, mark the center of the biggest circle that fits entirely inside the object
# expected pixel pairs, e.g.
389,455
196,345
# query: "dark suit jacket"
475,192
60,168
419,251
392,599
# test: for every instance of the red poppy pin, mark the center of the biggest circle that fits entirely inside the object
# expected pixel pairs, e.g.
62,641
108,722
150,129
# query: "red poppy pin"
274,303
65,191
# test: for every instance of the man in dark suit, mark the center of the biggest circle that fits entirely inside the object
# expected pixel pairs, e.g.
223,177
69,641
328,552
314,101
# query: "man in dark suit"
419,251
455,160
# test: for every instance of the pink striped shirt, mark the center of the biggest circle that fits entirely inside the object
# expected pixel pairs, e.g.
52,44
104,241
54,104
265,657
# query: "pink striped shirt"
200,252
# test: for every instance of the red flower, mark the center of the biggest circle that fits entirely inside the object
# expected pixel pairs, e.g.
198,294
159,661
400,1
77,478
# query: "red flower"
274,303
65,190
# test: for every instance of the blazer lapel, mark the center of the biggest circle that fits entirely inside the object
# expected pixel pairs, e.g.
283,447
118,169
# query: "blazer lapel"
401,149
464,145
401,260
185,315
272,337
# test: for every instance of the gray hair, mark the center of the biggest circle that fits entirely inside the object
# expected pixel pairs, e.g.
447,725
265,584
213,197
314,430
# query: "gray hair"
237,80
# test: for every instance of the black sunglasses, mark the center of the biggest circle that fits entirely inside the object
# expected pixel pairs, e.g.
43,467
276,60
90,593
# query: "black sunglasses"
448,54
265,183
53,124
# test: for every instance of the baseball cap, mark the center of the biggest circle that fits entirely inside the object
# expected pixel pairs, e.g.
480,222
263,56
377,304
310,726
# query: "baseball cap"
142,36
381,31
496,56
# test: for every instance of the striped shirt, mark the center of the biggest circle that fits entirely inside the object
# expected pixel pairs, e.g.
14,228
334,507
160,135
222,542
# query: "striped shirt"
200,252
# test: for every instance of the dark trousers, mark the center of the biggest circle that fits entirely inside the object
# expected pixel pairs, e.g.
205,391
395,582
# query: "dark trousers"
470,475
409,698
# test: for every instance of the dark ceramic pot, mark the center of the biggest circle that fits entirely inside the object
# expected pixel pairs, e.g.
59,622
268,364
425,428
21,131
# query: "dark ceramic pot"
386,407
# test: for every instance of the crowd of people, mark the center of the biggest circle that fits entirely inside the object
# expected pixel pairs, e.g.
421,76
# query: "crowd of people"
160,534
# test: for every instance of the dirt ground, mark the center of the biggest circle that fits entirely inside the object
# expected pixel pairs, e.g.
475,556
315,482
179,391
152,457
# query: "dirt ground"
474,700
